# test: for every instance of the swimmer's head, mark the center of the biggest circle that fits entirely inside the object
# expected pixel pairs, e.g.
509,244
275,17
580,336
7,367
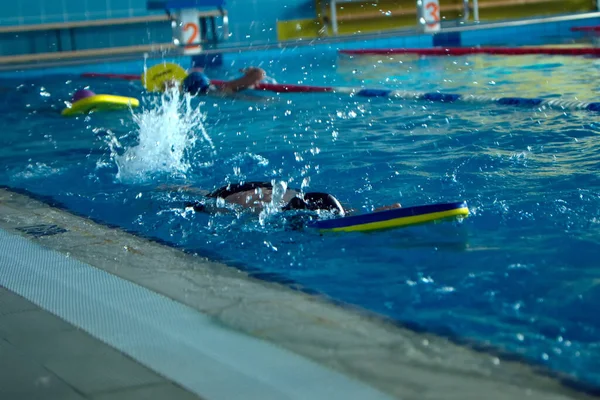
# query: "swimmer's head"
196,82
315,201
82,94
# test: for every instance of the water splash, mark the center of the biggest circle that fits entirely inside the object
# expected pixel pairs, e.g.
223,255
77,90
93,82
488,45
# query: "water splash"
167,132
36,170
274,206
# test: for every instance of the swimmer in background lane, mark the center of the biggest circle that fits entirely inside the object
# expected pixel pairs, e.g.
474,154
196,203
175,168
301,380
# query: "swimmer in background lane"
197,83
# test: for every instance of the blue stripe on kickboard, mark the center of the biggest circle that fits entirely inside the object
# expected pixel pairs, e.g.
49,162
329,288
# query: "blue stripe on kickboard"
385,215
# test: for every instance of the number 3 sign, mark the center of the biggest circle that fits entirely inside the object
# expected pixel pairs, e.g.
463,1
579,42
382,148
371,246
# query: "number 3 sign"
431,14
190,31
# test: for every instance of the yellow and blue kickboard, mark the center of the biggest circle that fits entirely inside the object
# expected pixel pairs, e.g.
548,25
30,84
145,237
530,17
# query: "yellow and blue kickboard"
396,218
100,102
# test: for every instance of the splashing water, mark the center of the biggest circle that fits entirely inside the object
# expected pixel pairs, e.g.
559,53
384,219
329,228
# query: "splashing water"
167,132
274,206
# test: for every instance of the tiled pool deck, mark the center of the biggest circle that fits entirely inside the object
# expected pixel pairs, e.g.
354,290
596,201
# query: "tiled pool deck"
44,357
87,311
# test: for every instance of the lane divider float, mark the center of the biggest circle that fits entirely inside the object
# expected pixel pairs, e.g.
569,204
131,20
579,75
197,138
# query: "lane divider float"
435,97
463,51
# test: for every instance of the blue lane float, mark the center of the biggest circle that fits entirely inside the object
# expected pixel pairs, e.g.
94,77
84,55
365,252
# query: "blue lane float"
396,218
438,97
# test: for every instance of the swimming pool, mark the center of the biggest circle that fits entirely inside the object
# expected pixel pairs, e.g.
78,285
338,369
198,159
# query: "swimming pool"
520,274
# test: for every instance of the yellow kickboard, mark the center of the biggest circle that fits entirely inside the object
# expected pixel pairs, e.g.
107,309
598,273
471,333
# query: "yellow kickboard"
100,102
155,77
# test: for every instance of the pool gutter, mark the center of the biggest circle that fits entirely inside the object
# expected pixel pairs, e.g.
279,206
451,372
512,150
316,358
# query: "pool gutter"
266,338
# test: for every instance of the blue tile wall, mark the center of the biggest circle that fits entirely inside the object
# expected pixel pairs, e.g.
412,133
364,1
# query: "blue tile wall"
17,44
447,39
249,21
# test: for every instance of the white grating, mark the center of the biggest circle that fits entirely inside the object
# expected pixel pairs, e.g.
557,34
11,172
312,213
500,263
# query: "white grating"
172,339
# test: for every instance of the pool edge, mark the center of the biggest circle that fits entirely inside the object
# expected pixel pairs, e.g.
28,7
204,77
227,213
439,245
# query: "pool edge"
241,50
339,336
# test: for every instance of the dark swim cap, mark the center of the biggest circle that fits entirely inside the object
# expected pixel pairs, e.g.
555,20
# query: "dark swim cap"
315,201
196,82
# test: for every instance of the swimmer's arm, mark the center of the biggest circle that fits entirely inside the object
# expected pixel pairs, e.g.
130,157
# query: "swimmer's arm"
252,77
212,206
182,188
352,211
386,208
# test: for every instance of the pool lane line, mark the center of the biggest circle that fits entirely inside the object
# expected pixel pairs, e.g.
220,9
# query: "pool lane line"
463,51
585,29
433,97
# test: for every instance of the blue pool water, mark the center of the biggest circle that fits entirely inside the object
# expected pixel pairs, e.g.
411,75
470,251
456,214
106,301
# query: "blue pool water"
520,274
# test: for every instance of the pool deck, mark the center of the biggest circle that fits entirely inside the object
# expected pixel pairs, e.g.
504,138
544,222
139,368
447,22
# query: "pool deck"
89,311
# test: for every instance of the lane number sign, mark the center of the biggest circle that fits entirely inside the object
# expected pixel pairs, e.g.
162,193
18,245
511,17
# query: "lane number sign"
190,31
431,14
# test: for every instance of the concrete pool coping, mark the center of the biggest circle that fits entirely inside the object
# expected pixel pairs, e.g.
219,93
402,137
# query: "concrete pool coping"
44,357
360,350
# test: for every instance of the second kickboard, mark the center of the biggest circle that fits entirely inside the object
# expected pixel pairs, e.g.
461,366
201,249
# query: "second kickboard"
100,102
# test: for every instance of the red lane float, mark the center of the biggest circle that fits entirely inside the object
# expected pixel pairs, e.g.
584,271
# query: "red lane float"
462,51
585,29
272,87
285,88
127,77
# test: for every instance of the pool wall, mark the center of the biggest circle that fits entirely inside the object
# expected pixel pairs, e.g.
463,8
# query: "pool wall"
249,21
517,33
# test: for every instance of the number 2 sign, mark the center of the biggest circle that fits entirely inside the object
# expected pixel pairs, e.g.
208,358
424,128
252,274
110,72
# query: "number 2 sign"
431,15
190,31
